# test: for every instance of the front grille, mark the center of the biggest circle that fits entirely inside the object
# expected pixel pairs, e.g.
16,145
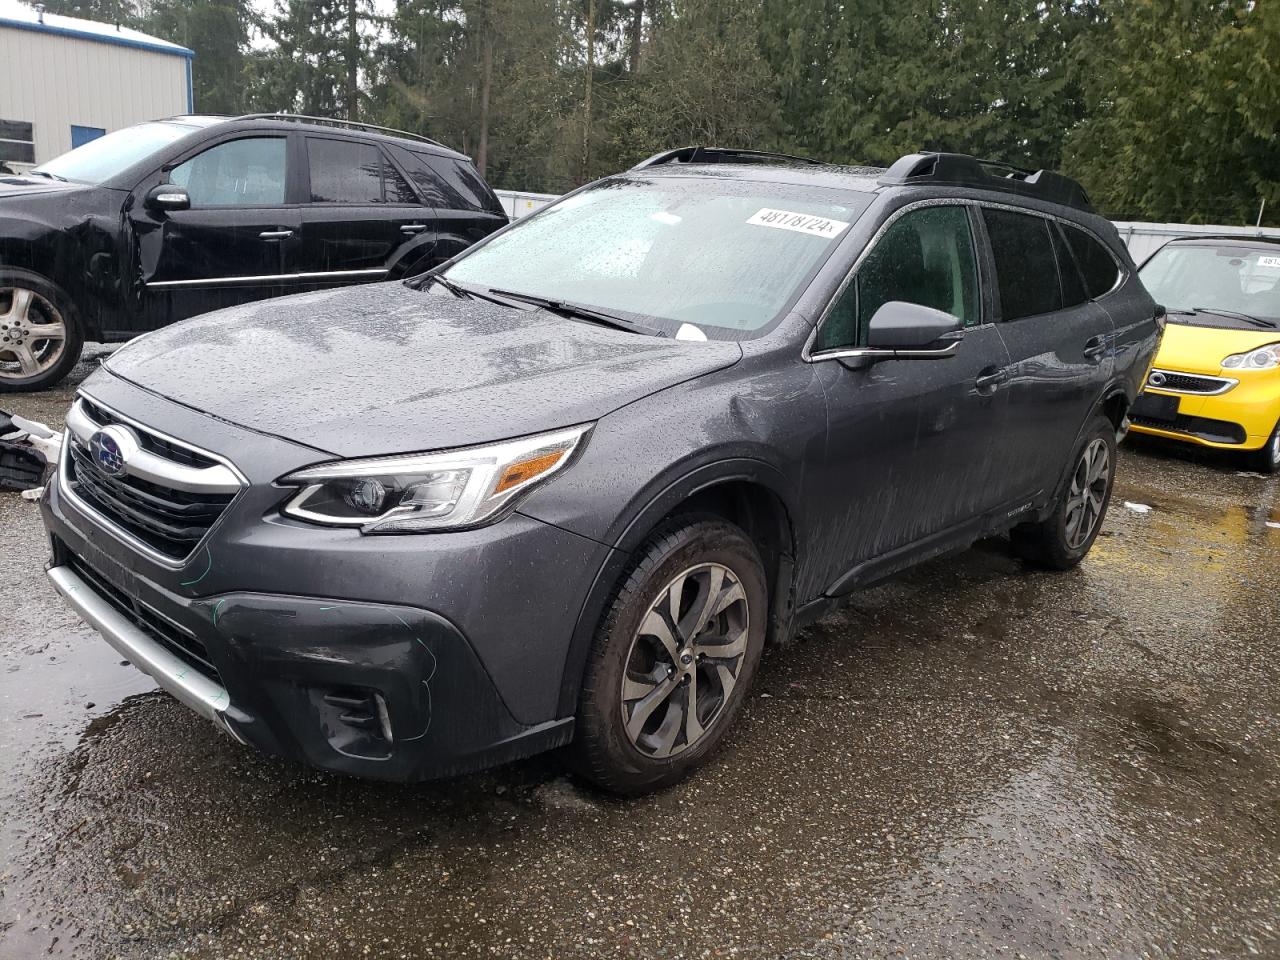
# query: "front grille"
168,520
1215,431
148,441
1188,382
176,639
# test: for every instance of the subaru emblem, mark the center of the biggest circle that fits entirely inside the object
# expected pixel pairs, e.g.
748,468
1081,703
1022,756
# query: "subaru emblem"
109,449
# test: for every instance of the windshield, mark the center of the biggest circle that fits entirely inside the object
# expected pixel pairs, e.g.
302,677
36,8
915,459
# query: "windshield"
724,255
100,160
1230,277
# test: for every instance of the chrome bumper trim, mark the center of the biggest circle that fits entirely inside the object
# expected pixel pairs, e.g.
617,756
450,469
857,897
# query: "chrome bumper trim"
185,683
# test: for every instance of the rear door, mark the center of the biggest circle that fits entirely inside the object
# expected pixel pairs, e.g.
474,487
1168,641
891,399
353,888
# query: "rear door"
231,246
363,221
466,208
1061,347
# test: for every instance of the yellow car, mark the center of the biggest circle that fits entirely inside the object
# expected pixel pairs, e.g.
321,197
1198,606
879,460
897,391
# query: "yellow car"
1216,379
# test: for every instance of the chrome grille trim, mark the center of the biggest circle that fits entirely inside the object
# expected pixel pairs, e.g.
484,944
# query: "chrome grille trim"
1192,384
197,480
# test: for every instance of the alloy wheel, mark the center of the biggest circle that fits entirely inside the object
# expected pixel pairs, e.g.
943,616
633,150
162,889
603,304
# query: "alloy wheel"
1088,492
33,334
684,660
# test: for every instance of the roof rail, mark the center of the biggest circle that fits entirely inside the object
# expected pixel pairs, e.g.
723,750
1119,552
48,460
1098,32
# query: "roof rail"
303,118
719,155
966,171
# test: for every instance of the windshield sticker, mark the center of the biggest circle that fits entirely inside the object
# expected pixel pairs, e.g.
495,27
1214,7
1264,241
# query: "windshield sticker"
1269,263
799,222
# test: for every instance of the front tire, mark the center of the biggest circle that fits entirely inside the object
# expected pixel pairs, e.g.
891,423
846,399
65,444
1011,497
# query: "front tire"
673,659
1062,539
40,333
1267,460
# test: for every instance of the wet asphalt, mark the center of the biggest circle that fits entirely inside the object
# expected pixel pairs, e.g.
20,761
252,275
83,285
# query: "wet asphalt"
975,760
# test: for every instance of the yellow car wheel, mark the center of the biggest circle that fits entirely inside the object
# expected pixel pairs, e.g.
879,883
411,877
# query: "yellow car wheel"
1268,458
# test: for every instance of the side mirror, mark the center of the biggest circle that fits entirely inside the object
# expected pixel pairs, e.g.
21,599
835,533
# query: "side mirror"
909,326
168,197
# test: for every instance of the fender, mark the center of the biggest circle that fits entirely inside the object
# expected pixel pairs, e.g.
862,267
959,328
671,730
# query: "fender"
634,526
1116,388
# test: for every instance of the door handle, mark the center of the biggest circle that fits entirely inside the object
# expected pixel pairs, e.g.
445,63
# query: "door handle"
275,235
1095,348
990,379
411,228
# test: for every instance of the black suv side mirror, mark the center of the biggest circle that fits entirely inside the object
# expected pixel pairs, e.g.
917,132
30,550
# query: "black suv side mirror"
168,197
898,325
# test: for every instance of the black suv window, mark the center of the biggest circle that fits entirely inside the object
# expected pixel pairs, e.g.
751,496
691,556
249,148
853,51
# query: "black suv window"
237,173
1096,262
1026,266
344,171
397,190
926,257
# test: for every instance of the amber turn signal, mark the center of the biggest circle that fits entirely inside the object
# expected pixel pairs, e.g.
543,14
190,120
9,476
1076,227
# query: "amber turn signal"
523,470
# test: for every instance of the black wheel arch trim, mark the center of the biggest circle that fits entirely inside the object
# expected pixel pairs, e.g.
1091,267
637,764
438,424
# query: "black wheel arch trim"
638,523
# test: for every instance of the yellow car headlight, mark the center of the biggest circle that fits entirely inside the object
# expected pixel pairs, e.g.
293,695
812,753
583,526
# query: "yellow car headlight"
1263,358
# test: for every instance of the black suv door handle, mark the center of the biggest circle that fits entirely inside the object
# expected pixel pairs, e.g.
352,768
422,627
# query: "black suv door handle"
275,235
1095,348
411,228
990,379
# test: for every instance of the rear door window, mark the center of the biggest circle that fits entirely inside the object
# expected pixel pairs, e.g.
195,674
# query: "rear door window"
925,257
237,173
1073,292
1096,262
344,171
396,189
1026,264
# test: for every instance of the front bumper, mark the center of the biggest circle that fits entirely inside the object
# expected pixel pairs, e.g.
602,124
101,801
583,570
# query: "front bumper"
314,643
1242,418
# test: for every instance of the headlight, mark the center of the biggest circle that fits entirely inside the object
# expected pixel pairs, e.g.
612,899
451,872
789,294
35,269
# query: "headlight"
434,491
1263,358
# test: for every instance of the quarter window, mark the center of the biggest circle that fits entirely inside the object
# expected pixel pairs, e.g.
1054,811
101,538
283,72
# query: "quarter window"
1073,292
237,173
1026,266
344,171
1096,262
925,257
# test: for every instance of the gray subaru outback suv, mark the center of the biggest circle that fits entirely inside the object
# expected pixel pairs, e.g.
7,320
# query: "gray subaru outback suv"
564,489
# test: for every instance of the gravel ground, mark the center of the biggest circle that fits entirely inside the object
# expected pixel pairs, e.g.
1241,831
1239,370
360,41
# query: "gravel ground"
975,760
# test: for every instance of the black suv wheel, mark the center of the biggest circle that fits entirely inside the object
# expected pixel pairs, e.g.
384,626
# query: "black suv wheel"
40,336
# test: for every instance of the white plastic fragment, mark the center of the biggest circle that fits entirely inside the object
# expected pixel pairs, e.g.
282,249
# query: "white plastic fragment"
35,493
1273,525
1137,507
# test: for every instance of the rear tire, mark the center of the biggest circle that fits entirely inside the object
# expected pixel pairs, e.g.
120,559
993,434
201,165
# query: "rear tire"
1267,460
662,688
1062,539
40,333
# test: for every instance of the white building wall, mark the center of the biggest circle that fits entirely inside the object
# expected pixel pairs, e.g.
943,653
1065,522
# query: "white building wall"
53,81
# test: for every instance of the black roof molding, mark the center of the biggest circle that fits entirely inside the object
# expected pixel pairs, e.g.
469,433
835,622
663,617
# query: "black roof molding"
341,124
720,155
957,169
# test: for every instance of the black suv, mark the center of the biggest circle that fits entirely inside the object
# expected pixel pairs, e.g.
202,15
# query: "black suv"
165,220
565,487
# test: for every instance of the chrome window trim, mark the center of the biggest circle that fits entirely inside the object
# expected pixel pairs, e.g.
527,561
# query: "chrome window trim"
1224,383
806,352
263,278
106,523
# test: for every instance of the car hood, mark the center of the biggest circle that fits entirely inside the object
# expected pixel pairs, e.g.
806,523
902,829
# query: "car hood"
17,185
383,368
1201,349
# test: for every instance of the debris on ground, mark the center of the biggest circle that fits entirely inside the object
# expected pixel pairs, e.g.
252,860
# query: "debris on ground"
1137,507
26,448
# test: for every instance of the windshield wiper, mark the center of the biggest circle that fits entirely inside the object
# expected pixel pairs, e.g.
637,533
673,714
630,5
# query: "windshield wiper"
457,291
582,313
46,173
1256,321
